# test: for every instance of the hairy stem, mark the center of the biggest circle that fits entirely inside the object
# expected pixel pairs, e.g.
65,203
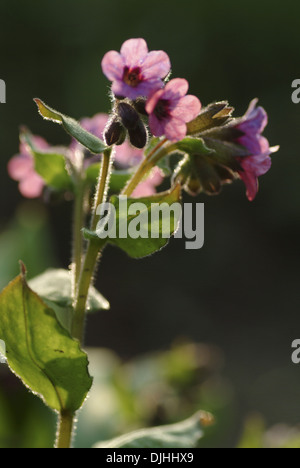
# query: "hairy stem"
78,222
65,430
83,275
92,253
147,164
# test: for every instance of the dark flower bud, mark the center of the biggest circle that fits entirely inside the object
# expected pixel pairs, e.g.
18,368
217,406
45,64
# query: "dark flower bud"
128,115
115,133
140,105
138,135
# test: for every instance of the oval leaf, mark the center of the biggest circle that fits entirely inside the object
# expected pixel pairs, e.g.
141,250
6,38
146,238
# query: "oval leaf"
40,351
153,220
49,164
52,168
71,126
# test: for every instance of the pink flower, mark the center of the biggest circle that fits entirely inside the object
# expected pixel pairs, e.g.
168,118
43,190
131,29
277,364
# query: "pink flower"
255,166
135,71
170,109
251,127
21,168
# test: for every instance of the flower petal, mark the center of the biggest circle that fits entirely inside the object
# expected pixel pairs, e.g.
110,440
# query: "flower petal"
176,89
153,100
113,65
255,121
251,143
175,129
157,64
32,187
187,108
96,124
258,165
128,156
134,51
157,127
251,182
20,166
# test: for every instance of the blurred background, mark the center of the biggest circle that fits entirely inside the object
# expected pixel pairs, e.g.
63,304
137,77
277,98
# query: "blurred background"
209,329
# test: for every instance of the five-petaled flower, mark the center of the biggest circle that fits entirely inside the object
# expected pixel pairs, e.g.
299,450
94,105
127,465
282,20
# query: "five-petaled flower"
251,127
135,71
170,109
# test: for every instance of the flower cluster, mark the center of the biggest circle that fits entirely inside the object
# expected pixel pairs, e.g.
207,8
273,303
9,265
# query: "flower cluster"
245,152
137,73
214,147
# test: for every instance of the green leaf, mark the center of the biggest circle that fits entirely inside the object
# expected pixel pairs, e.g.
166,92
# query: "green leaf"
185,434
118,179
52,168
56,286
71,126
194,146
154,219
49,164
40,351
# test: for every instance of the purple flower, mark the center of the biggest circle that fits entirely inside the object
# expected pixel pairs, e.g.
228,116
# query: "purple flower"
135,71
170,109
251,126
21,168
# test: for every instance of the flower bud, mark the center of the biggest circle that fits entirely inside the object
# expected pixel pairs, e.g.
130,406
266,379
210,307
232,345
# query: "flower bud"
138,135
114,134
128,115
214,115
140,105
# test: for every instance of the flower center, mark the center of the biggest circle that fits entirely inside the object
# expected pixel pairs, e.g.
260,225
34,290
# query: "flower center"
132,76
162,110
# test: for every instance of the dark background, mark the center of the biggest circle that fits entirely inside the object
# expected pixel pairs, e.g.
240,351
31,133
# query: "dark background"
241,291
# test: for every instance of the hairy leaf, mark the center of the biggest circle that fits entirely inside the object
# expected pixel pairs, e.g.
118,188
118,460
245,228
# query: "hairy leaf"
140,226
40,351
71,126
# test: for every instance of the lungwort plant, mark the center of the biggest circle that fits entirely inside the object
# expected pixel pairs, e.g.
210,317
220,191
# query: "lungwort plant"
155,133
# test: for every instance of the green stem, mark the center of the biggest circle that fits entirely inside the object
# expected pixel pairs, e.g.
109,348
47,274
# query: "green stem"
147,164
92,254
78,220
65,430
82,278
